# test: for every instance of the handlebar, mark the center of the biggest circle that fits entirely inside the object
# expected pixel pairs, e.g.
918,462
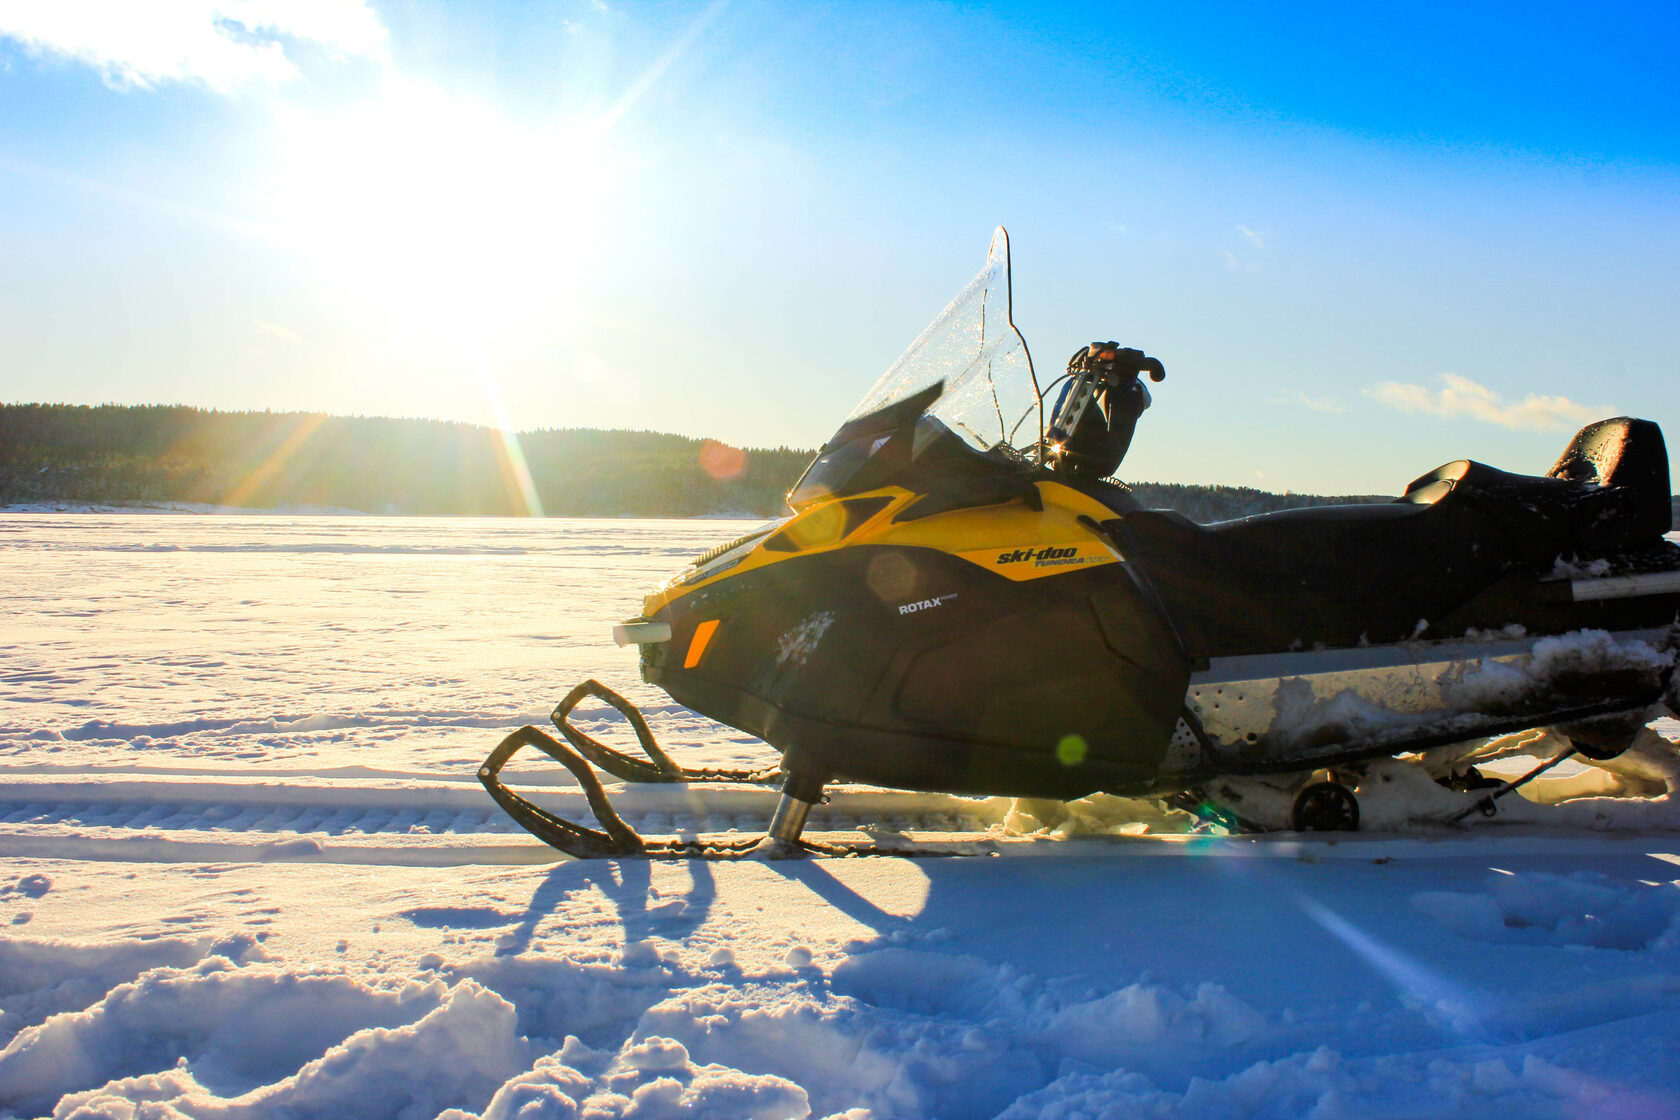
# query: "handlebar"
1115,362
1092,423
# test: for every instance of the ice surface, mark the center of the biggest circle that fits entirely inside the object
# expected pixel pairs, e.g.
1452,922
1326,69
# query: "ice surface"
246,871
268,645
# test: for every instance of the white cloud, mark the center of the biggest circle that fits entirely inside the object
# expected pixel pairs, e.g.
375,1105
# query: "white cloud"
275,330
217,43
1255,236
1462,397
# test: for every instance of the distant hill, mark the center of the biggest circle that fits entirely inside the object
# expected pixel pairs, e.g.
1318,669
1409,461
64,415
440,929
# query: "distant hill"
170,453
1205,504
112,453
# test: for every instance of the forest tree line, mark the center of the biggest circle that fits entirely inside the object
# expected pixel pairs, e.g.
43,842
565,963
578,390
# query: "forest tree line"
138,454
261,460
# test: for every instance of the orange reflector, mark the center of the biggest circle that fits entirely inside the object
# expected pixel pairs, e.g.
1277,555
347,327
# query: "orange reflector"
697,647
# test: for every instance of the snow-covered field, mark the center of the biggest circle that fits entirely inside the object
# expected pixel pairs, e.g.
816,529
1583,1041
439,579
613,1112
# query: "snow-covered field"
246,870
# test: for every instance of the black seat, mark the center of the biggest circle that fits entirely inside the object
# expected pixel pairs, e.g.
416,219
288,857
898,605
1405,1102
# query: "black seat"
1332,576
1607,493
1344,575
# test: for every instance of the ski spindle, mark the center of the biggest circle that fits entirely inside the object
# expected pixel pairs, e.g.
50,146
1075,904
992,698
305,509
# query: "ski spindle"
1485,804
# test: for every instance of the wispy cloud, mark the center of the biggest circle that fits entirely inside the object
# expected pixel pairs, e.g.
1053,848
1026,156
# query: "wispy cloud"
216,43
1248,253
275,330
1461,397
1317,404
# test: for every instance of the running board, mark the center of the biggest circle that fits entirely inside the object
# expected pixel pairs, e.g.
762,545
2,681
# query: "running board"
1624,587
1292,711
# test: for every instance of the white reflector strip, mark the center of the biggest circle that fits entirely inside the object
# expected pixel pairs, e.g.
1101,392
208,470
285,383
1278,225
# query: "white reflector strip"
641,633
1625,587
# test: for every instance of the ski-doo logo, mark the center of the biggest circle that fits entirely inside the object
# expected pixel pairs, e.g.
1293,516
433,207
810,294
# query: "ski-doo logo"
1041,557
926,604
1040,561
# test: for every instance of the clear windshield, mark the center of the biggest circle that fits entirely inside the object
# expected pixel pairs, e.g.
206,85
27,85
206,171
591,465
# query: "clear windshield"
991,396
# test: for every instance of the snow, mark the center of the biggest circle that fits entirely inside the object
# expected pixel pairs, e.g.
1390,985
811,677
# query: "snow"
1509,678
246,871
1564,661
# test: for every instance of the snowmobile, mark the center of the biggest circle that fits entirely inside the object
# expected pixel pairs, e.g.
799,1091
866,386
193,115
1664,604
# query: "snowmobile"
964,600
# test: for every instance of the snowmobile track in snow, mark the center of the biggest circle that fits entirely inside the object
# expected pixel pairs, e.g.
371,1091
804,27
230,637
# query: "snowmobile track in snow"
404,822
430,823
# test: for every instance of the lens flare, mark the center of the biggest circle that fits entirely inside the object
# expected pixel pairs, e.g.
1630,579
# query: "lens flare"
721,461
294,442
510,458
1459,1009
1071,750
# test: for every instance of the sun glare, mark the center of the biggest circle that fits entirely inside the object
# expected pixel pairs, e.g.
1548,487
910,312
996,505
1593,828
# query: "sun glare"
440,211
516,473
289,448
449,219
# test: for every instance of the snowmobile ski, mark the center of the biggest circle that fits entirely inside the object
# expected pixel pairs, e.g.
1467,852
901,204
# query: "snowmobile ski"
615,838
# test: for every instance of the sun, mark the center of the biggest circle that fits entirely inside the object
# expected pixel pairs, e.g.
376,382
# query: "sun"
442,212
447,218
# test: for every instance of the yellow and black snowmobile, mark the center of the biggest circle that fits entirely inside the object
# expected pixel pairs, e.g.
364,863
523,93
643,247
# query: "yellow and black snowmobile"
964,601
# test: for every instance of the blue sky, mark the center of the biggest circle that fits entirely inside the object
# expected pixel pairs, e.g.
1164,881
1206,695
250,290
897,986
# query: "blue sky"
1363,240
